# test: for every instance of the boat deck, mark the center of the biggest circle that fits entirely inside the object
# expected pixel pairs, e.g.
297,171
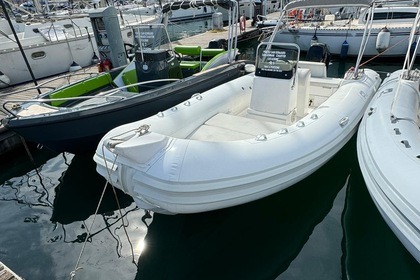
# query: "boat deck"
8,139
226,127
203,39
29,91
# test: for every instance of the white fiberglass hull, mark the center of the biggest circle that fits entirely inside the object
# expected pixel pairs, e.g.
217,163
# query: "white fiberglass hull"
48,57
388,150
45,59
169,170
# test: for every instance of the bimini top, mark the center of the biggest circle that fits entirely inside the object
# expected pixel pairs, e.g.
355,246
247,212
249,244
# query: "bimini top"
302,4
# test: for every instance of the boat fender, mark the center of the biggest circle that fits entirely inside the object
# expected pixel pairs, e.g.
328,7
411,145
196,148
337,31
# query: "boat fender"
242,23
4,80
344,49
383,39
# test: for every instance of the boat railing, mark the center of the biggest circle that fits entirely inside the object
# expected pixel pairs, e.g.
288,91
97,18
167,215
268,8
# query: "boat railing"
45,84
73,25
107,94
77,31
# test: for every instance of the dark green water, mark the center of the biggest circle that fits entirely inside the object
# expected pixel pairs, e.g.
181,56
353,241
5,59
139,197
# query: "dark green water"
325,227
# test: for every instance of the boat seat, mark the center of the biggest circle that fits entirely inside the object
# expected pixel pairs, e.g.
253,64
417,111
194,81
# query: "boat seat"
129,78
226,127
325,82
211,52
318,69
80,89
192,51
196,54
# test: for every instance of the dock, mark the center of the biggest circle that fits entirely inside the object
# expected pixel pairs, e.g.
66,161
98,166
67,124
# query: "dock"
250,32
10,140
7,274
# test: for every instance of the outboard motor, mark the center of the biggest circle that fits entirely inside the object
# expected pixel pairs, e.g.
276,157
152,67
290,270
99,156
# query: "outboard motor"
218,44
319,52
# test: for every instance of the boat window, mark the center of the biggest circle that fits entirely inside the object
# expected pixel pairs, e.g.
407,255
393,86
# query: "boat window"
392,15
38,55
68,25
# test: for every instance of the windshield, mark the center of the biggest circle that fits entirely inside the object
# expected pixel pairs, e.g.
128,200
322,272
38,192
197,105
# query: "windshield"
276,60
151,37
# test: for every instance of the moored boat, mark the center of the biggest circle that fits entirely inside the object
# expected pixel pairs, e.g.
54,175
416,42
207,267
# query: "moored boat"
240,141
73,118
388,148
51,47
303,22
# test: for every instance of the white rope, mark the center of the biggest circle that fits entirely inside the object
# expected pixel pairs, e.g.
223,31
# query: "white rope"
116,198
76,268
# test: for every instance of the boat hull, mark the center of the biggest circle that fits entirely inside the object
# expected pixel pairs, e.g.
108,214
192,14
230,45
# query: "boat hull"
48,57
388,151
175,174
45,59
334,37
79,131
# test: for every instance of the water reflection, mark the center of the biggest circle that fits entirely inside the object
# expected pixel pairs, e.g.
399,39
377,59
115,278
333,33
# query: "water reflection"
258,240
372,249
47,215
86,191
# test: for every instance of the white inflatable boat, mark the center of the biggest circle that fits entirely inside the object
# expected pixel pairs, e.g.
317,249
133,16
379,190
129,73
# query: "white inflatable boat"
240,141
388,148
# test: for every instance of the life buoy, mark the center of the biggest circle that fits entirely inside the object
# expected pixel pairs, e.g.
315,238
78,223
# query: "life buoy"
242,23
293,13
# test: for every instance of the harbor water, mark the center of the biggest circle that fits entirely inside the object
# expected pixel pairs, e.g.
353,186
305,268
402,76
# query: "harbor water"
324,227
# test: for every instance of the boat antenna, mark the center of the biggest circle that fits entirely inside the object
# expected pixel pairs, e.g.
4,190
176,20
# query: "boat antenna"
6,14
73,66
95,58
